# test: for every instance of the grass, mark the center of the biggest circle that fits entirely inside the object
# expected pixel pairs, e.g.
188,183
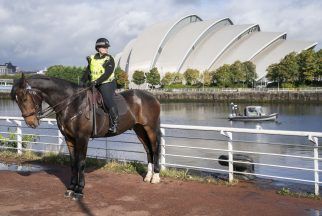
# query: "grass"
288,192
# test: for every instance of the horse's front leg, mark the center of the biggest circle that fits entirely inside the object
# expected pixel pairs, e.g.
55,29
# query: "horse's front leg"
80,153
74,170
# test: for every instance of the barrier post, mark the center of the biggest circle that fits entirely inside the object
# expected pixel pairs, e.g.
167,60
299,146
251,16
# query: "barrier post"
19,137
316,163
162,153
229,135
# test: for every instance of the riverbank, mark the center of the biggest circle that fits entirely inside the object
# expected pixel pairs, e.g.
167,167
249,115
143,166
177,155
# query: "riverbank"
236,96
254,96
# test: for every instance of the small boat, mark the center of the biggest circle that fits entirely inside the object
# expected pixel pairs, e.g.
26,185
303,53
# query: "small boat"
251,113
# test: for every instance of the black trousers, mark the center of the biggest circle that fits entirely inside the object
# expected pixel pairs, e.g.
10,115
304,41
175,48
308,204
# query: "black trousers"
108,90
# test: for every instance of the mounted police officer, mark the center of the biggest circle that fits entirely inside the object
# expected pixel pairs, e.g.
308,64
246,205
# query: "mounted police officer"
100,73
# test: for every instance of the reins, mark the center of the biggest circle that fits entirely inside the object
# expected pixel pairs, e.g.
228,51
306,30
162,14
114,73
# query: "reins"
51,109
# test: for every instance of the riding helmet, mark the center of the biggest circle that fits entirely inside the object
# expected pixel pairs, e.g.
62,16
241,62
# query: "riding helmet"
102,42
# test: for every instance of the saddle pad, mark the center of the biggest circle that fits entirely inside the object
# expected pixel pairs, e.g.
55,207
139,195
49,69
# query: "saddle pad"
121,104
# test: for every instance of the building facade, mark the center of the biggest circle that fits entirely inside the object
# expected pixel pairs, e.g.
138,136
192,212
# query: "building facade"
190,42
7,68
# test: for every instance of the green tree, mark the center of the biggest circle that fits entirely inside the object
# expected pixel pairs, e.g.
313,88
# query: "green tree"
319,63
168,79
207,78
249,73
289,68
308,66
275,74
177,78
121,78
69,73
191,76
222,76
138,77
153,77
237,73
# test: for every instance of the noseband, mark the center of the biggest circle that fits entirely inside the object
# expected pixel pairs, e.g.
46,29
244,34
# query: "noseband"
36,99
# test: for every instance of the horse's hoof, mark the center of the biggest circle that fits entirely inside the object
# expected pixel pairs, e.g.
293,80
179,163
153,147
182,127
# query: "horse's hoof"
78,196
155,178
148,177
69,193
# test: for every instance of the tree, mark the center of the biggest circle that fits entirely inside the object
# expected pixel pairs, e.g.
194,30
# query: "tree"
319,63
308,66
222,76
249,73
69,73
237,72
191,76
168,79
274,73
207,78
153,77
289,68
177,78
121,77
138,77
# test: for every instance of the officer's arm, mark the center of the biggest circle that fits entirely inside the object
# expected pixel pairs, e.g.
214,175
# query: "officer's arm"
109,68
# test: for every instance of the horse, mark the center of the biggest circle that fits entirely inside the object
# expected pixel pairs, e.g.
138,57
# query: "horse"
70,105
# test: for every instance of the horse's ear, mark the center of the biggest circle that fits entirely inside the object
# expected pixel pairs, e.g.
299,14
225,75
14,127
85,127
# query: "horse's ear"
23,81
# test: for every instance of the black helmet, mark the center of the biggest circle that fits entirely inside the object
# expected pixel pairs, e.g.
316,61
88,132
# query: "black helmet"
102,42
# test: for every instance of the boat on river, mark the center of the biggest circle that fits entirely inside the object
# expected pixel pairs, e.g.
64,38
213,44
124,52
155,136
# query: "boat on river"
251,113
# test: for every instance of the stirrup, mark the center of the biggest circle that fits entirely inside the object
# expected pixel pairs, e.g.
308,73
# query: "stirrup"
113,128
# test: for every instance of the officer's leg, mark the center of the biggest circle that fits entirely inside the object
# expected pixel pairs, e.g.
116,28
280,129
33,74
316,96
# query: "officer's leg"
108,90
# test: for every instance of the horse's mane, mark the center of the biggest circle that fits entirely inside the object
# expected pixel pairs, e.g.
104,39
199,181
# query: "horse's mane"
63,84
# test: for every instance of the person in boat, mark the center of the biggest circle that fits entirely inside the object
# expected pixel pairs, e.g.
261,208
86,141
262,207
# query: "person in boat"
100,73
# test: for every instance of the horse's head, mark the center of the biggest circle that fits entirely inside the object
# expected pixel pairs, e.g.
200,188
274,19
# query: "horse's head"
28,100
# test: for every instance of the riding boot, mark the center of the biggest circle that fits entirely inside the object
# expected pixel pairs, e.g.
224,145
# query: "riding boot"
114,119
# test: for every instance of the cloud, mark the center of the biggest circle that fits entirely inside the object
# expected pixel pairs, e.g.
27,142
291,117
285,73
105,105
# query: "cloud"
38,34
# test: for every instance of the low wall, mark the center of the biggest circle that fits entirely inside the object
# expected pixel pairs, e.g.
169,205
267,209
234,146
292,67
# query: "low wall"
286,97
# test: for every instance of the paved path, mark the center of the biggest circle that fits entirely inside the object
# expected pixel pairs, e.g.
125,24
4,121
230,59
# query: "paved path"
109,193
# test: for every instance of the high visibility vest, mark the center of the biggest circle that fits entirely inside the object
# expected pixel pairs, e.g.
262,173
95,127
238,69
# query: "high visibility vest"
97,69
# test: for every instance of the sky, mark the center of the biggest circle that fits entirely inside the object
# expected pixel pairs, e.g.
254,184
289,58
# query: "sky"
40,33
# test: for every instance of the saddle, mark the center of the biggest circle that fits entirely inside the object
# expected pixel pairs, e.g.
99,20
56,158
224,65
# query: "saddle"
95,106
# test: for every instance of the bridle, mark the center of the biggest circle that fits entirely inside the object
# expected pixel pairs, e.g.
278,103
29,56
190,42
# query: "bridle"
37,100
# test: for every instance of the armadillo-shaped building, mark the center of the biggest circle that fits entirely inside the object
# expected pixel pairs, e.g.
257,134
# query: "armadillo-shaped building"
190,42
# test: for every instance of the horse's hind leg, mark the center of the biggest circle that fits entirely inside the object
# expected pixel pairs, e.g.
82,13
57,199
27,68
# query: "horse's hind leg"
143,137
154,135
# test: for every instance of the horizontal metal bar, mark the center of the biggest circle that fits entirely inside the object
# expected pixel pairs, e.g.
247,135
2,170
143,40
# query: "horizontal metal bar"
242,130
243,162
237,151
226,171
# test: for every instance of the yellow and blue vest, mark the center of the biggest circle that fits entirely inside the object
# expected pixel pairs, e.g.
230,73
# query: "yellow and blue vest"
97,69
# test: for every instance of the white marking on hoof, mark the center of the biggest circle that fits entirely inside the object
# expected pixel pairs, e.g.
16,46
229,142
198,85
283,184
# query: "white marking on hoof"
148,177
155,178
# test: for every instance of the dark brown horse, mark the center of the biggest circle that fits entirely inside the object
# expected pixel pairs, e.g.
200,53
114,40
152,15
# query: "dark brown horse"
69,101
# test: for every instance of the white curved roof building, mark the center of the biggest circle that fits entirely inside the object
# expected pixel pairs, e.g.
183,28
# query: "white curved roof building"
190,42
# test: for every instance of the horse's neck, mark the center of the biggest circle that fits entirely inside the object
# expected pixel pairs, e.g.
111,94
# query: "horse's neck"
52,92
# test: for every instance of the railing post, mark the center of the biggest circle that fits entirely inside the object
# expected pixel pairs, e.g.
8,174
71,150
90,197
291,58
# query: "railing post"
229,135
19,137
316,163
60,142
162,153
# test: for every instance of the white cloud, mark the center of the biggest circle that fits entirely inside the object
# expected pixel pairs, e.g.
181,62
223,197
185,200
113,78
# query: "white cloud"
36,34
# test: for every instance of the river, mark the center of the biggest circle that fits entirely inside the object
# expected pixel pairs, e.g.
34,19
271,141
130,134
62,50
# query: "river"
293,117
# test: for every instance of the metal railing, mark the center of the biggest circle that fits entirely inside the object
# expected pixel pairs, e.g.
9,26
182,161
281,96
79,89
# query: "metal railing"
226,134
